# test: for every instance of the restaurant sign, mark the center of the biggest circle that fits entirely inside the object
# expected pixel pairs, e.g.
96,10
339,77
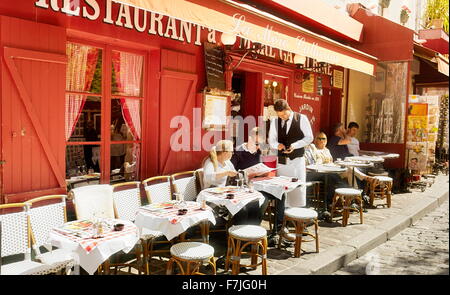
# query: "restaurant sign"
129,17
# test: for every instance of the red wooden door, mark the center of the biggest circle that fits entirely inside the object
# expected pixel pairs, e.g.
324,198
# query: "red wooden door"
177,98
32,109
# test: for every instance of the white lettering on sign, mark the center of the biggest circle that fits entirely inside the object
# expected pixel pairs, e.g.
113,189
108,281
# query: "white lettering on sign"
308,108
131,18
307,96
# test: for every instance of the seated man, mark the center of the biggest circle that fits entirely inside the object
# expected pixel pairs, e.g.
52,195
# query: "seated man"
353,146
247,155
319,154
338,143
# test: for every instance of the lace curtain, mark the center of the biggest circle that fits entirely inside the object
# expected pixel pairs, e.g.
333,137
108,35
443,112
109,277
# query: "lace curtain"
82,61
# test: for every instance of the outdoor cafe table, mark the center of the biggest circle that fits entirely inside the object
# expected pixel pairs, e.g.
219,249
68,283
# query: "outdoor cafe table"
89,252
326,170
353,164
242,196
163,217
276,186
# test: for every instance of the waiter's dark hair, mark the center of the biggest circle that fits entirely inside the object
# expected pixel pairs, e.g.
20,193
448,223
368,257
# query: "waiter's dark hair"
336,127
281,105
353,125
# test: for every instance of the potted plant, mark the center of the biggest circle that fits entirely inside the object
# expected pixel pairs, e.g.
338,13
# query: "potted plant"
404,14
436,15
385,3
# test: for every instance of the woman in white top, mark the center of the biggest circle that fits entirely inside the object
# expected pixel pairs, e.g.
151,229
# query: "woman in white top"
218,167
216,170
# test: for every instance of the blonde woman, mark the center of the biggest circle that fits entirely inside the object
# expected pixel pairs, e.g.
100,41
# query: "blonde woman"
216,170
218,167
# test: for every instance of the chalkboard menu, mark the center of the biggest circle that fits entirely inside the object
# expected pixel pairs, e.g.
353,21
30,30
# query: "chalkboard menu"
214,66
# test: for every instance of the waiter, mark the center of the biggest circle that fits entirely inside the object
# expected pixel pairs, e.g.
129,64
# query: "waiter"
289,134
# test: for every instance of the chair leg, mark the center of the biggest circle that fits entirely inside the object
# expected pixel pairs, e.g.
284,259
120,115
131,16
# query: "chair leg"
298,238
254,250
237,255
212,262
281,233
316,229
361,210
346,211
333,206
264,256
230,250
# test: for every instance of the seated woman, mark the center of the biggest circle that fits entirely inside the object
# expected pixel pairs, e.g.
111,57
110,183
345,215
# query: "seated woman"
216,171
317,153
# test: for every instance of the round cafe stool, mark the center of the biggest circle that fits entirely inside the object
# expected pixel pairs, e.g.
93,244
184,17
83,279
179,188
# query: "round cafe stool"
241,237
299,217
380,187
193,254
345,196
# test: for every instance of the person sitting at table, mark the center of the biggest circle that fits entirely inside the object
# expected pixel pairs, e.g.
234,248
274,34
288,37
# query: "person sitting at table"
217,169
247,155
318,153
353,146
338,142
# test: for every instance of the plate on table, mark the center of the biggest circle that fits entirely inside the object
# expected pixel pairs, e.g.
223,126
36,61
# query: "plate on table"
159,206
223,190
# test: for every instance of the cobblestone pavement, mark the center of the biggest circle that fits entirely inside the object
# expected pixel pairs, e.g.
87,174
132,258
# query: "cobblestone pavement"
421,249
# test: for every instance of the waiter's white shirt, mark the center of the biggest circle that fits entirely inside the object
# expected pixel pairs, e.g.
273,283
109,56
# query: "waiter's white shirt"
305,127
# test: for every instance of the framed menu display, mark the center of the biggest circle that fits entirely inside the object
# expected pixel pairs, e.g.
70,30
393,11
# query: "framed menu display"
216,110
338,79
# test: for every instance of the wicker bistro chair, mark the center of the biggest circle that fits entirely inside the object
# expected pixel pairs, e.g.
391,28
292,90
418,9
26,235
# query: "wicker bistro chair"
193,254
16,239
239,238
42,220
93,201
127,200
185,184
379,187
199,179
299,217
158,189
345,196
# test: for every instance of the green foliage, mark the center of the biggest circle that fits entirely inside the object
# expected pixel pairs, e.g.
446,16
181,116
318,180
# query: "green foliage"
436,9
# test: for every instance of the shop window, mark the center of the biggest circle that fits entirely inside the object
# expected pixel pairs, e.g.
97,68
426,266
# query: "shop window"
84,117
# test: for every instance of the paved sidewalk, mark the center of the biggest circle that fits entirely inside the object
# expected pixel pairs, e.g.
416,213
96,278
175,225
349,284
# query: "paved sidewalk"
421,249
341,245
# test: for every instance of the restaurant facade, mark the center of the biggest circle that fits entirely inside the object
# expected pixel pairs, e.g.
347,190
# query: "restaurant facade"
92,86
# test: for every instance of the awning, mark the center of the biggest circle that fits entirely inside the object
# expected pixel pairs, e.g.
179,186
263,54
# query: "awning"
435,59
224,17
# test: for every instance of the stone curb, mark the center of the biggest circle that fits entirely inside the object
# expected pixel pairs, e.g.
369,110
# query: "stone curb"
332,260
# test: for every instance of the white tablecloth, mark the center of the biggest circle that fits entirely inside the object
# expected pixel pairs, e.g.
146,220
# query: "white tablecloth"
326,168
91,253
372,159
276,186
168,222
241,198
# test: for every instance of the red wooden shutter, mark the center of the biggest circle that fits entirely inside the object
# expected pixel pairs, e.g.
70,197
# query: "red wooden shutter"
177,98
32,109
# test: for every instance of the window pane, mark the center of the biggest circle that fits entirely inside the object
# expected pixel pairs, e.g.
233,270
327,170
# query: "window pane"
127,69
125,119
82,165
272,91
124,162
84,68
83,118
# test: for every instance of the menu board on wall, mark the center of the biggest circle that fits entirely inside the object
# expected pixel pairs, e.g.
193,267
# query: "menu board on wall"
338,79
214,66
215,111
308,83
